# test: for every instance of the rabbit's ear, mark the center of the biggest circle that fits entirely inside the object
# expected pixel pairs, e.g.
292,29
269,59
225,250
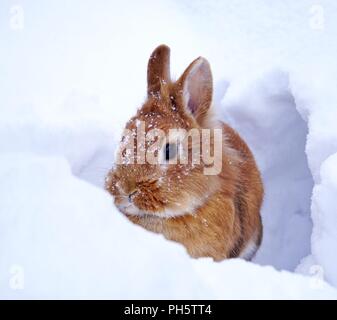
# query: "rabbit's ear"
158,69
196,87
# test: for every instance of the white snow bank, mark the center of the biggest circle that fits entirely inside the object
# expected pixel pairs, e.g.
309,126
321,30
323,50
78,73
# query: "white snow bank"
61,238
316,101
324,209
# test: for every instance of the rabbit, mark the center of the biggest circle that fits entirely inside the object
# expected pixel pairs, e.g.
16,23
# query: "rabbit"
212,215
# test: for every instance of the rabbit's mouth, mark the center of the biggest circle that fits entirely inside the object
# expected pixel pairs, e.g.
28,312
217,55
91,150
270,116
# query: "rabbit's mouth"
131,209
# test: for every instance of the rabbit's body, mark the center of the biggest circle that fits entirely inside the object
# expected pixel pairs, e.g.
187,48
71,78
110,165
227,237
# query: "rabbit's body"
228,223
214,216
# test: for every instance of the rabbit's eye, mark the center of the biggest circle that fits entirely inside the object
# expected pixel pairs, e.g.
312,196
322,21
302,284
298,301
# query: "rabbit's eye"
170,151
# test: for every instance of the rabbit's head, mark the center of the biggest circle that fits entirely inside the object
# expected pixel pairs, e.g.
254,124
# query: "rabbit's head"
160,165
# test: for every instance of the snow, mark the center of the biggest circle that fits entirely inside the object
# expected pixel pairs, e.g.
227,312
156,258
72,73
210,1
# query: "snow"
74,75
72,246
324,210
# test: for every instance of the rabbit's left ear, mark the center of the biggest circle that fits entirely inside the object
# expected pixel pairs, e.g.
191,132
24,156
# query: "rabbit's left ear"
158,69
196,87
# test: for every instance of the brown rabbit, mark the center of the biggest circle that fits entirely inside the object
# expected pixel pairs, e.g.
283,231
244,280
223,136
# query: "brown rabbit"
212,215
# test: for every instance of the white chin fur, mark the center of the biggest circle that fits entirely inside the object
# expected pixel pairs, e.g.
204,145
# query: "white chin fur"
188,207
167,213
131,209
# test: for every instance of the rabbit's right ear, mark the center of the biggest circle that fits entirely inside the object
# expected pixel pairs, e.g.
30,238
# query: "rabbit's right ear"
158,69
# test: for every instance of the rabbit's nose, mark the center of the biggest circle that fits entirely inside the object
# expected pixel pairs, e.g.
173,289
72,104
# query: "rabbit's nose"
131,195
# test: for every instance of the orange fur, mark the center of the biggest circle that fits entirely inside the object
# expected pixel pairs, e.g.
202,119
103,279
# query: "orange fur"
218,215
